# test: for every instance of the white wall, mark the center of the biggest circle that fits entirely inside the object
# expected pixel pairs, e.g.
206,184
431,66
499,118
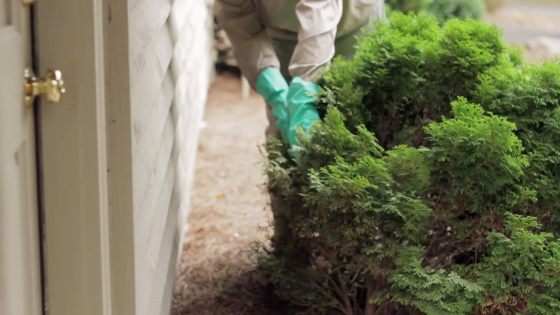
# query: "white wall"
168,69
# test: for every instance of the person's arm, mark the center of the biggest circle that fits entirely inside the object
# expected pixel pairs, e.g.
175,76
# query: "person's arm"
315,48
252,48
318,21
255,56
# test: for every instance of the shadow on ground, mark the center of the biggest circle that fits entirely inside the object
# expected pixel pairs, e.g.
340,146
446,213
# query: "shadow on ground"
230,210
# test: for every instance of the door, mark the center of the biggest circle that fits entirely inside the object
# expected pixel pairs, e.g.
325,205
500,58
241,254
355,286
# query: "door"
20,277
68,36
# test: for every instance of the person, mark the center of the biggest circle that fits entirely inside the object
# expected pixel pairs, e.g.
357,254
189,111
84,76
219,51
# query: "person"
282,46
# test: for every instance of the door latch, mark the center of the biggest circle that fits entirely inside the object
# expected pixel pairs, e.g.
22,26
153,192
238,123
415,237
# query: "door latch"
52,86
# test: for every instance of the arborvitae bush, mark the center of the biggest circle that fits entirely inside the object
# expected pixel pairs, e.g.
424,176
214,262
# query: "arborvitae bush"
431,184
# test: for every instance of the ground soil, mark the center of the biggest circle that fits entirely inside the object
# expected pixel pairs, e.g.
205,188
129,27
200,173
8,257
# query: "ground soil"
230,208
523,23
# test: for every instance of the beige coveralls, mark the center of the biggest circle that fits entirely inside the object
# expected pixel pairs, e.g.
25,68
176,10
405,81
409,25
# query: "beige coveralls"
299,37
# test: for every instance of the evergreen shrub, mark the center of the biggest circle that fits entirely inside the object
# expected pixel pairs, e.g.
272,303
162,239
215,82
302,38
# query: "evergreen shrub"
431,184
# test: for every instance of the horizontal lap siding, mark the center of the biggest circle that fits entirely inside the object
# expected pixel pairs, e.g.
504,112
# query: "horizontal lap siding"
170,69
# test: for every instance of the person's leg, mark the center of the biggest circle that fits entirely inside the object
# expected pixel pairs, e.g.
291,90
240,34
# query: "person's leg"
271,129
284,50
281,240
345,46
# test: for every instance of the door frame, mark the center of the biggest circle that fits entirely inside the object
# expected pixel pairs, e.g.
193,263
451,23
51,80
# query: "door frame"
73,162
20,261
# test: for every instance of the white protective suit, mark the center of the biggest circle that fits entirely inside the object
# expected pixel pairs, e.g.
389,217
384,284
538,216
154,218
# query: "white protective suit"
299,37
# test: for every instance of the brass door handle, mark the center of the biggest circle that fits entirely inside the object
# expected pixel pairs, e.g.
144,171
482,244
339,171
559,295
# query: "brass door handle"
52,86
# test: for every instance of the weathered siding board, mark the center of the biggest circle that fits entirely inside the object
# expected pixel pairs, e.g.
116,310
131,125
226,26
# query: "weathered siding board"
170,60
150,179
193,54
147,19
167,253
149,126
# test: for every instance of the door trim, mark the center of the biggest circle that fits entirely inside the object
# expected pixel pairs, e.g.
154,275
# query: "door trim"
120,175
74,188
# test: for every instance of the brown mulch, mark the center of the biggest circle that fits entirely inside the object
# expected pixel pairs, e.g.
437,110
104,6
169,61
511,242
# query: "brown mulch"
229,210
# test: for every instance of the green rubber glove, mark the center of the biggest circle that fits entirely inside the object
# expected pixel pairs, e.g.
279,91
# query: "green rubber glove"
273,87
301,106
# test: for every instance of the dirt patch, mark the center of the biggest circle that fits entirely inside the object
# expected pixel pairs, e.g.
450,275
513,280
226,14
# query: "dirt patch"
229,209
537,53
521,17
526,25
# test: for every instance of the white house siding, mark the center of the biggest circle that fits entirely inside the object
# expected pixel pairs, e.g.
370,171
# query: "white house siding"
170,51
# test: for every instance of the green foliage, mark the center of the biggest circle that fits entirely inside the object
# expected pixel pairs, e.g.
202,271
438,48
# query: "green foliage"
529,98
430,292
442,10
409,6
521,269
430,185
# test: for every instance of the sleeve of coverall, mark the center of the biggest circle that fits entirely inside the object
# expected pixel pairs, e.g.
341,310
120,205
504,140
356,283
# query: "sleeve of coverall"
318,21
252,48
